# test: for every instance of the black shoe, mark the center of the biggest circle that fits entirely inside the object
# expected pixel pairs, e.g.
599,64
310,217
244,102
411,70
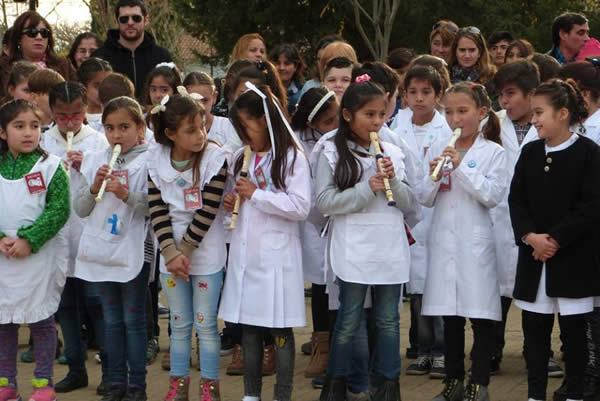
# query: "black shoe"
114,394
495,366
306,348
412,353
135,394
388,391
334,389
561,393
102,388
227,344
70,383
318,382
308,292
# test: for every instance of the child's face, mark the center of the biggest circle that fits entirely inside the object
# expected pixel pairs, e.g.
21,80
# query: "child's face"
548,121
92,89
257,131
209,95
462,112
22,133
69,116
159,88
338,80
498,52
190,136
367,119
421,97
513,55
21,91
328,120
516,102
467,52
286,69
120,127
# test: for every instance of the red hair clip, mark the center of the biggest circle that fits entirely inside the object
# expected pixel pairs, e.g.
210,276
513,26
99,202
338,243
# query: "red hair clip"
362,78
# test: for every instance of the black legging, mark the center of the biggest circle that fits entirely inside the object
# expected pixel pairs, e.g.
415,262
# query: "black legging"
319,308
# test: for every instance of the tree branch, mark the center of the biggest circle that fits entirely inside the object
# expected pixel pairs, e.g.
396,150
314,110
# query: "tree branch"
360,28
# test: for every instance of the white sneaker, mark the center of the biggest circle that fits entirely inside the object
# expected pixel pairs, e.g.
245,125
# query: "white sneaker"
97,357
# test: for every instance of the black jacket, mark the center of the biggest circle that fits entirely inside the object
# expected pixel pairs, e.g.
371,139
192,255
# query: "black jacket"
134,64
558,194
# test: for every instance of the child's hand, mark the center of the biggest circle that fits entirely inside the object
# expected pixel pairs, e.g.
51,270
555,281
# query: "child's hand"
229,201
100,176
20,248
432,165
75,158
5,244
180,267
388,168
544,246
453,154
114,185
376,182
245,188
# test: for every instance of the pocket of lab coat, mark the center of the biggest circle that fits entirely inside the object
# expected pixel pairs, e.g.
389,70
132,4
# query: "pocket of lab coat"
373,237
483,246
102,247
274,248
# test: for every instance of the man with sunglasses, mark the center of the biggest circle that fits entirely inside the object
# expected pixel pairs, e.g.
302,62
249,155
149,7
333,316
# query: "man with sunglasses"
129,49
570,31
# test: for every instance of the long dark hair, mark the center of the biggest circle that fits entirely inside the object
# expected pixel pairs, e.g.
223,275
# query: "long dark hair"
77,42
349,170
293,55
178,108
11,110
491,131
26,20
172,75
263,72
251,104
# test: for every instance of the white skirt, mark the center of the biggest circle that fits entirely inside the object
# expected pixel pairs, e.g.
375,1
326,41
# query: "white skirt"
550,305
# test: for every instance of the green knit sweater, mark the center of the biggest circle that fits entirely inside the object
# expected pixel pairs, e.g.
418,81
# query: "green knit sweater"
58,199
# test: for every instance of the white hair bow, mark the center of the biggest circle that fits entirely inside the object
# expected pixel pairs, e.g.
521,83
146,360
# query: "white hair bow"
161,107
183,92
170,65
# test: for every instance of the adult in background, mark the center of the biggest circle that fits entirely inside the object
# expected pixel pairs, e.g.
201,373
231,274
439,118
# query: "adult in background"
570,31
441,39
290,67
250,46
498,43
32,40
83,46
129,49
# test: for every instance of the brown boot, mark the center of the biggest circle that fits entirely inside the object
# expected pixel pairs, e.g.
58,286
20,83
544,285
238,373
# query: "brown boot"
320,354
209,390
165,362
236,367
269,360
178,389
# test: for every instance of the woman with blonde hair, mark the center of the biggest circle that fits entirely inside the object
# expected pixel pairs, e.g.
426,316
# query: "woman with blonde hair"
251,46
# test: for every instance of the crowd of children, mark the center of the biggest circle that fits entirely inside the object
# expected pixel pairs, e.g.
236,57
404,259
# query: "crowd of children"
462,179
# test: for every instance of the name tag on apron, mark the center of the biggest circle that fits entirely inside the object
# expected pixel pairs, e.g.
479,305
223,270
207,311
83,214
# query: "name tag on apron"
446,185
35,183
122,176
260,178
192,198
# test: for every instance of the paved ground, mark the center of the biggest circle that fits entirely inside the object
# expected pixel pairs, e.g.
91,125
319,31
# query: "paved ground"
510,385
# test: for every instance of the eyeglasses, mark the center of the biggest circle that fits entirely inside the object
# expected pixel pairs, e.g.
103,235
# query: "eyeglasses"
594,60
123,19
65,118
470,29
33,32
449,27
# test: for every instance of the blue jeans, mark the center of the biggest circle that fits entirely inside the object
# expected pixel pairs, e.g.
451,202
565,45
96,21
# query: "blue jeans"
77,297
430,330
386,359
194,303
124,306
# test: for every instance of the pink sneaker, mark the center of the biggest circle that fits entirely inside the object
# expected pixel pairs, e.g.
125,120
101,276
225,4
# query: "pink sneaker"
42,391
8,392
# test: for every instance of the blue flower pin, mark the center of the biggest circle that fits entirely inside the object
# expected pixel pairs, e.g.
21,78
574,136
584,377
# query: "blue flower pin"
181,182
472,164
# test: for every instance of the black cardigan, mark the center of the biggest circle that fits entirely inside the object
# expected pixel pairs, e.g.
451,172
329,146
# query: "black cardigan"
558,194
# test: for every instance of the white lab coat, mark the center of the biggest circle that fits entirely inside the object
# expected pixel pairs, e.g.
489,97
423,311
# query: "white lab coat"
264,284
87,140
592,127
222,132
507,252
462,278
439,130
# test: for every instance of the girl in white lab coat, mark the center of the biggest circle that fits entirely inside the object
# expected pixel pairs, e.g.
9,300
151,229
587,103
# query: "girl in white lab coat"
111,248
558,269
186,182
264,286
462,280
316,114
420,127
367,244
68,102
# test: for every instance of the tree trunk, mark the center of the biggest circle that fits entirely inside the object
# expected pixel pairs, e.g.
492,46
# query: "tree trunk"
382,22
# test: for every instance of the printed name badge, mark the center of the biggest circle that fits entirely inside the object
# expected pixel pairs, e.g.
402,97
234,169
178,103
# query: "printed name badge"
35,183
260,178
192,198
122,176
446,181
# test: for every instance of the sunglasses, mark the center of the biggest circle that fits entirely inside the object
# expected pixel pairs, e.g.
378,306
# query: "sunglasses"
33,32
470,29
449,27
125,18
594,60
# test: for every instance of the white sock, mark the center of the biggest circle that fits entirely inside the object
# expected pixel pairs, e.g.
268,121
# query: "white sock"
569,399
249,398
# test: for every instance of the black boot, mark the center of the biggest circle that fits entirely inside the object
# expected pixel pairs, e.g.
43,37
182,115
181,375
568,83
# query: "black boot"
71,382
334,389
561,393
389,390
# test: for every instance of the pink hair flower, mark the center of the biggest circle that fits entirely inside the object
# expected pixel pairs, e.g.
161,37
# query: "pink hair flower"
362,78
